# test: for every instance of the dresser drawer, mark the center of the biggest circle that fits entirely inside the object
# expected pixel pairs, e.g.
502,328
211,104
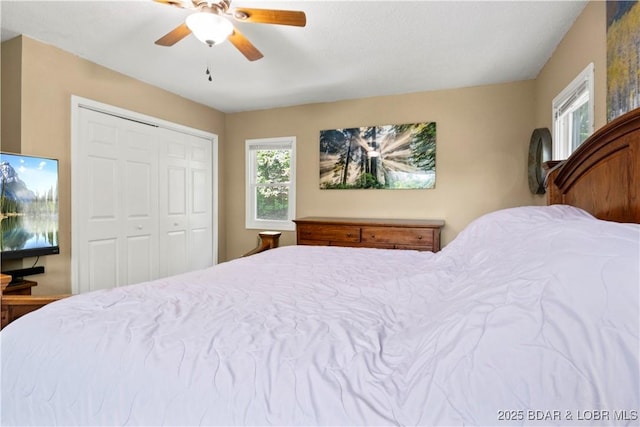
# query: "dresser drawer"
413,237
366,245
328,233
416,234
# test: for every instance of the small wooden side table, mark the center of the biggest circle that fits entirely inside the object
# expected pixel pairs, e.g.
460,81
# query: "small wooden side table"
23,287
16,300
268,240
5,279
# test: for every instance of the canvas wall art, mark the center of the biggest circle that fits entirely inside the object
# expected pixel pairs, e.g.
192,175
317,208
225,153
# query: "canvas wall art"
379,157
623,57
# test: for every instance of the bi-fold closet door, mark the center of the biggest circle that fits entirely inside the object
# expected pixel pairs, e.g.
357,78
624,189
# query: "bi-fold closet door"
142,202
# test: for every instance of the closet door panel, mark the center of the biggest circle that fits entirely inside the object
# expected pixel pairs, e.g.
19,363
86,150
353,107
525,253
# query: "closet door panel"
200,239
116,202
141,258
185,202
174,183
175,253
176,190
139,186
102,262
99,204
200,197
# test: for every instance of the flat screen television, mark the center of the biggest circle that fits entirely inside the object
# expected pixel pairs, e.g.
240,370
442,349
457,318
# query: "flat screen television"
28,206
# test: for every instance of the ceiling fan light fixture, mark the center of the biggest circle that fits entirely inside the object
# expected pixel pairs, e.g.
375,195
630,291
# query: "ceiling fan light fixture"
240,15
209,28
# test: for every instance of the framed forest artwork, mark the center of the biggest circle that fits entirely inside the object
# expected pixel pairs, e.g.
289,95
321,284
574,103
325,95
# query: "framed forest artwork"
623,57
379,157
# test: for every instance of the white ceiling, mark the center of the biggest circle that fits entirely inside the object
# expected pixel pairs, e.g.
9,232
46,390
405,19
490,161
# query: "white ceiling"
349,49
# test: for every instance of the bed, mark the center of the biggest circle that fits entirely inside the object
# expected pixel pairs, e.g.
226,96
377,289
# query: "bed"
529,317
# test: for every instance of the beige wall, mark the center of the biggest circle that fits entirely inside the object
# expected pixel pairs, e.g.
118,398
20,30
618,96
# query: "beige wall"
49,77
585,42
482,141
10,88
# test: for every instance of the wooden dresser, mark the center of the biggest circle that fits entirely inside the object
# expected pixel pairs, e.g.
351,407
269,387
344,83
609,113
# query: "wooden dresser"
418,234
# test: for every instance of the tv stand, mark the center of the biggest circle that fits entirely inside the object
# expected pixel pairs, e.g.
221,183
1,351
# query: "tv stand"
17,276
19,287
16,300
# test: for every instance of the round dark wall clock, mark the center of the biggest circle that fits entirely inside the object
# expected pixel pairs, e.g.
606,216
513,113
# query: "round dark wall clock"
539,152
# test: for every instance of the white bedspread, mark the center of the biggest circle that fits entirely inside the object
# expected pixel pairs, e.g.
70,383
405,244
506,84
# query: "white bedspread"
531,316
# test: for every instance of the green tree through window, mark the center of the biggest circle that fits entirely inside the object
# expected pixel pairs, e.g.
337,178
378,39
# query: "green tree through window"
273,170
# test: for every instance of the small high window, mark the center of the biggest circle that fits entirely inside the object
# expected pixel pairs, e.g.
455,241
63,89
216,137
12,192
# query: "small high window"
573,115
271,191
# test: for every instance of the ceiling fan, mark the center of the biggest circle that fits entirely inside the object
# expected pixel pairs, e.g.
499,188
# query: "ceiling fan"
210,24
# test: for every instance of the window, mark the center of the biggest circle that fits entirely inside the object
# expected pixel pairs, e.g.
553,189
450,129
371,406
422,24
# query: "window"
573,114
271,190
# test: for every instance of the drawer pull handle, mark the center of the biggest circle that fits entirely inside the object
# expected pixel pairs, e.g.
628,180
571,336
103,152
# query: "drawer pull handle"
420,237
348,234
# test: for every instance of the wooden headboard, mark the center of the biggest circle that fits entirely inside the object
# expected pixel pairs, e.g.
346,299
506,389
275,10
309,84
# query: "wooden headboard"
603,175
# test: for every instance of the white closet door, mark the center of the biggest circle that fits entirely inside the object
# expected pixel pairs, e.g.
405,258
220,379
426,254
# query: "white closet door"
143,199
116,205
185,202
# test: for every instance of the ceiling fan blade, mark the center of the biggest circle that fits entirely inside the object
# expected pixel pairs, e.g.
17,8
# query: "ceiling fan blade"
174,36
245,46
176,3
268,16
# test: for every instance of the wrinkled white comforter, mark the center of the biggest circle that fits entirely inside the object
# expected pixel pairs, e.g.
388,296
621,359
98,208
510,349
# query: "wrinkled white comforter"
531,316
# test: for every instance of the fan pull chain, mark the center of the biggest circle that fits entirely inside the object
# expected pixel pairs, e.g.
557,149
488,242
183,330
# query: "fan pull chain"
208,73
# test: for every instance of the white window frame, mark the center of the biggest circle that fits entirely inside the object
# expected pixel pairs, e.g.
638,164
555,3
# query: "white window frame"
566,102
251,147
